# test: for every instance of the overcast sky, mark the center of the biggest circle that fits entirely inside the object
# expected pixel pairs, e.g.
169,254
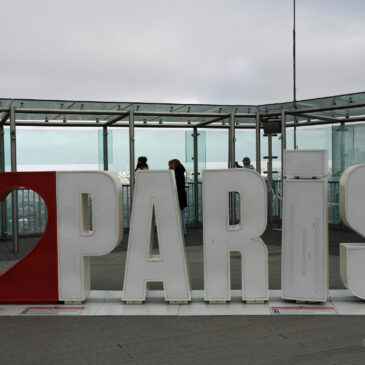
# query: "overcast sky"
190,51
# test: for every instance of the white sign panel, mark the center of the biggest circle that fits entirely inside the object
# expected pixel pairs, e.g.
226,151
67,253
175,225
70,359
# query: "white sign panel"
305,240
352,203
76,242
156,191
220,238
305,163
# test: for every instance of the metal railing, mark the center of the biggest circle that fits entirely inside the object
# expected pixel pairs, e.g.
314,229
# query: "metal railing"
333,201
32,214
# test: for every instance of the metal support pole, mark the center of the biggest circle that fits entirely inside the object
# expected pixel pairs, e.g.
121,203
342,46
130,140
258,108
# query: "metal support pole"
131,156
283,148
295,134
283,141
294,78
269,176
2,169
196,172
14,195
2,149
342,139
258,144
231,142
105,148
294,58
231,164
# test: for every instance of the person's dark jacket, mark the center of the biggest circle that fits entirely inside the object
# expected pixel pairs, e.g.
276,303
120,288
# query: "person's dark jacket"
180,185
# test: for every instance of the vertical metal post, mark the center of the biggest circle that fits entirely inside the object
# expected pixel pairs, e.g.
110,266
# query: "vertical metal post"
34,213
2,149
13,139
196,172
14,195
105,148
258,143
231,164
283,148
295,134
131,156
39,215
294,77
342,144
283,141
294,58
231,142
2,169
269,176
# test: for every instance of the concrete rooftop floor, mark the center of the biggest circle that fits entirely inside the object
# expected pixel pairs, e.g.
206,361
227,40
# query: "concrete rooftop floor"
190,339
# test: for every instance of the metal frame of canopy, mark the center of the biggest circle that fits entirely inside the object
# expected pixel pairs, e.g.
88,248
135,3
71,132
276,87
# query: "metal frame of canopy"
342,110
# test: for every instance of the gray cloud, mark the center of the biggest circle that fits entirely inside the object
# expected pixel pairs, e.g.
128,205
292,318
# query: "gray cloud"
231,51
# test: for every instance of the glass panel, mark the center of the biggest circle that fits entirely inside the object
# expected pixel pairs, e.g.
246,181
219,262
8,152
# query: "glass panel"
7,150
246,146
216,149
160,146
359,145
342,149
101,149
32,219
276,151
318,138
119,153
348,147
190,209
189,150
347,150
32,213
333,202
57,149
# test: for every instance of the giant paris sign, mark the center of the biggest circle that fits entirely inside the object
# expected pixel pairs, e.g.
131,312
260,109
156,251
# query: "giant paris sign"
58,267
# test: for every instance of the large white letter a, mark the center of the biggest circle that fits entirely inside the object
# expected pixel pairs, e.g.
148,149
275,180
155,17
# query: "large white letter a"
155,191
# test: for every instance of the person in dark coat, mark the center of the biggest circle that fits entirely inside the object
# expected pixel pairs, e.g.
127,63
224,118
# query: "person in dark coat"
179,170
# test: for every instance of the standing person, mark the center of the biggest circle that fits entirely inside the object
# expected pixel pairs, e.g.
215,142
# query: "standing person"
247,163
142,163
179,170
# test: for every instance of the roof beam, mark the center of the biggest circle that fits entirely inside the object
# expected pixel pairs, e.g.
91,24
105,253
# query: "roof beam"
323,122
325,108
202,124
115,119
319,117
178,114
67,111
5,118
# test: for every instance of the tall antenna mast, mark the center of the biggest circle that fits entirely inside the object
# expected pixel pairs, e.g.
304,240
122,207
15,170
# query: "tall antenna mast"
294,77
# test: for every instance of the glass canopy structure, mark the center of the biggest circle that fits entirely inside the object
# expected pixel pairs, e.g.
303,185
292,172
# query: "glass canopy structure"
271,119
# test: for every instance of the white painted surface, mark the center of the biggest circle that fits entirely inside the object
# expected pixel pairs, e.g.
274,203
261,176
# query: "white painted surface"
352,267
352,198
352,204
305,240
220,238
343,300
147,309
305,163
290,308
232,309
75,244
156,190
